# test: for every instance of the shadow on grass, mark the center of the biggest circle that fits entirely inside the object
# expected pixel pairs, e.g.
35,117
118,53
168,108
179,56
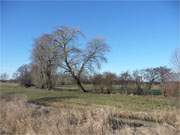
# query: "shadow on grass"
46,100
65,89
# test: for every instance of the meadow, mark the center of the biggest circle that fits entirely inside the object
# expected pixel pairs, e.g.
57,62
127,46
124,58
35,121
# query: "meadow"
76,97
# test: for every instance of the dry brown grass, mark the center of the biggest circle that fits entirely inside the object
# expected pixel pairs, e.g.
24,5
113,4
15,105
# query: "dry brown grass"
18,117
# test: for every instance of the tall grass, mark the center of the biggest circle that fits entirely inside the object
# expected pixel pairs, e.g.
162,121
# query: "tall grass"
19,117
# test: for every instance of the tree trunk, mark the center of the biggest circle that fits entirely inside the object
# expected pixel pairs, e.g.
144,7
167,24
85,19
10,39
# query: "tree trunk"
80,84
149,86
77,78
49,80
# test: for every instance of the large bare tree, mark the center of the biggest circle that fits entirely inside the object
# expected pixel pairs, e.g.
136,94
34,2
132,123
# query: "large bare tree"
77,60
44,62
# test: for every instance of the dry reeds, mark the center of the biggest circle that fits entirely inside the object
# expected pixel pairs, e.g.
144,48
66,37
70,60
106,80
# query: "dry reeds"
18,117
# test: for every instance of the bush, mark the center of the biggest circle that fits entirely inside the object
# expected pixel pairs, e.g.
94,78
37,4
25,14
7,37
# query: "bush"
103,83
171,88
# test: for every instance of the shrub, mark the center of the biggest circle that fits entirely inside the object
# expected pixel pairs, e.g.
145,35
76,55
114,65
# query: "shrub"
103,82
171,88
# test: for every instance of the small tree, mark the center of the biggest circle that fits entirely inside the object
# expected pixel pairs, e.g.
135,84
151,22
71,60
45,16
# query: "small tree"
125,78
97,81
172,84
108,79
24,75
164,75
151,75
138,78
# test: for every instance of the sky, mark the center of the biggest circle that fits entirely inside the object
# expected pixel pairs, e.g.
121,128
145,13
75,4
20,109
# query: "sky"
140,34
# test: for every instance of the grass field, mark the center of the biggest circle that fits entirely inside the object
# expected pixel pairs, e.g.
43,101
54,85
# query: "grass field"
70,97
71,112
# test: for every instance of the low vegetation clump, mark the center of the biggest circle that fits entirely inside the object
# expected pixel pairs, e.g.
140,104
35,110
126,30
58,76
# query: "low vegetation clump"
18,116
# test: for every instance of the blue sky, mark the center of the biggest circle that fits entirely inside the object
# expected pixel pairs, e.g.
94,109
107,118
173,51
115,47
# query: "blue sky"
140,34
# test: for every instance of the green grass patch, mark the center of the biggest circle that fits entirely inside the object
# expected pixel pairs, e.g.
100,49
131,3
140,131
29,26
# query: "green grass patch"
125,102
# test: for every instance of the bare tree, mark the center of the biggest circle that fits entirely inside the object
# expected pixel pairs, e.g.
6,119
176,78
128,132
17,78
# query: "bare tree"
108,79
4,77
171,86
97,81
176,59
24,75
77,60
151,75
164,75
125,78
138,78
44,62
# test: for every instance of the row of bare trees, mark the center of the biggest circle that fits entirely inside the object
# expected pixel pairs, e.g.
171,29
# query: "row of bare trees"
137,80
